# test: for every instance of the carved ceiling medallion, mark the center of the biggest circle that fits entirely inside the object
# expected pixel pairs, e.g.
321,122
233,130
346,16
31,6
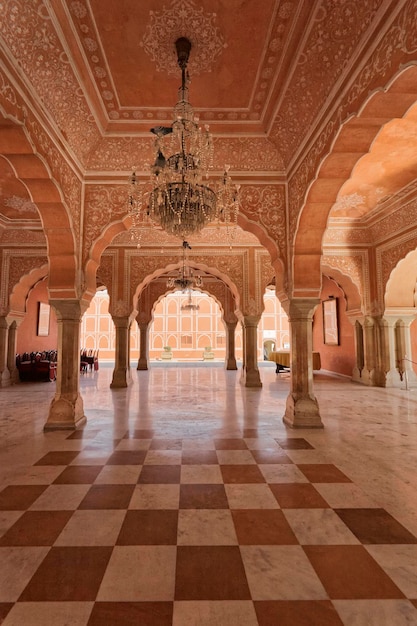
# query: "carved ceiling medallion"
183,19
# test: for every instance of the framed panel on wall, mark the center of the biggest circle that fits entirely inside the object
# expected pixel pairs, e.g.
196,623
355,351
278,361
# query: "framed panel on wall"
330,322
44,315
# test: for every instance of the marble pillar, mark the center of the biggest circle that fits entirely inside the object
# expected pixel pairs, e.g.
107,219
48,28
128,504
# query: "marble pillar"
121,372
400,370
230,345
67,410
250,372
11,352
144,346
302,410
4,340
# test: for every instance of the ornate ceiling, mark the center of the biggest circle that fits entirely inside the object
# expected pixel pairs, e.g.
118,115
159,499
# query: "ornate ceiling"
266,75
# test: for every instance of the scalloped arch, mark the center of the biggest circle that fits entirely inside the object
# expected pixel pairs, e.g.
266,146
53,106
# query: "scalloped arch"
401,285
350,289
33,172
21,290
353,141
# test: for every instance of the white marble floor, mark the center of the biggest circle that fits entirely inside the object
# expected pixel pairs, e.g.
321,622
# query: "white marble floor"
183,428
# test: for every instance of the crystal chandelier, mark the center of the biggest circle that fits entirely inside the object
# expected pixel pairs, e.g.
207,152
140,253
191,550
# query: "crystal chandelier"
181,200
185,279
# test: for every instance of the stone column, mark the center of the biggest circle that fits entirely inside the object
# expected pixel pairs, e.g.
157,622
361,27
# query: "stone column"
370,351
144,347
67,410
11,352
250,372
230,346
121,372
359,350
4,340
302,410
399,370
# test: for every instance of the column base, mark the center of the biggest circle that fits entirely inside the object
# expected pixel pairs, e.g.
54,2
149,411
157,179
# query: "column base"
231,364
65,414
250,378
5,378
302,412
121,379
142,365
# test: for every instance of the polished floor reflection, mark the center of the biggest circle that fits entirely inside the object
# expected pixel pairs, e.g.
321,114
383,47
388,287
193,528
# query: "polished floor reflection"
186,501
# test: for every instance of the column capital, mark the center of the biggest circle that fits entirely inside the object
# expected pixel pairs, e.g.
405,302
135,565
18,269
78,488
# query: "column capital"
302,308
68,309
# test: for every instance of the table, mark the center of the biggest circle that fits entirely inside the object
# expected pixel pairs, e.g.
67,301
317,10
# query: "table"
283,360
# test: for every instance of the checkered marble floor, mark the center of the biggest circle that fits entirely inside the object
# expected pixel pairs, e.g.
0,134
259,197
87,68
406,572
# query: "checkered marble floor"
231,525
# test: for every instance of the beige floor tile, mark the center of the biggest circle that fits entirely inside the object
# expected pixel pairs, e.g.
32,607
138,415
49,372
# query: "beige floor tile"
250,497
203,474
16,569
282,473
376,612
49,613
400,563
163,457
202,527
214,613
119,474
281,573
92,528
60,498
139,573
319,526
155,497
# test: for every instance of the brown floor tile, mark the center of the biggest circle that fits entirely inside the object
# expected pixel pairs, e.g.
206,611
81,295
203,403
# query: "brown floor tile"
131,614
297,613
210,573
375,526
4,609
298,496
166,444
140,433
147,527
270,456
349,572
127,457
107,497
68,574
323,473
252,433
160,474
230,444
78,475
295,443
36,528
61,457
239,474
203,497
83,434
20,497
262,527
199,457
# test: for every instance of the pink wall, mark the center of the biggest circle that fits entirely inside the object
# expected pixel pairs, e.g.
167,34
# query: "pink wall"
339,359
27,338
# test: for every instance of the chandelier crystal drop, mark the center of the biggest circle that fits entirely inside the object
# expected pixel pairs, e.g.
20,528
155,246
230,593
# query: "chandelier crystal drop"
181,199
